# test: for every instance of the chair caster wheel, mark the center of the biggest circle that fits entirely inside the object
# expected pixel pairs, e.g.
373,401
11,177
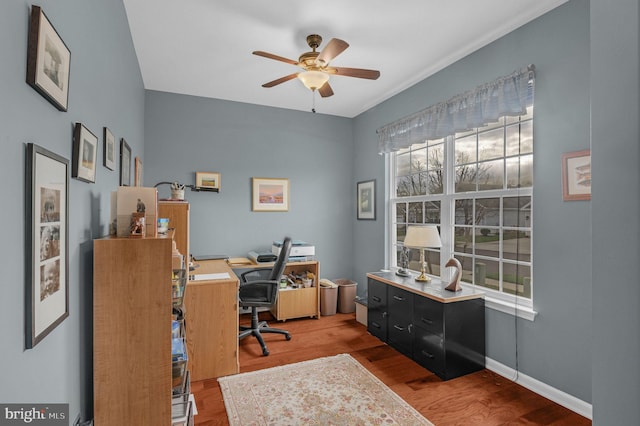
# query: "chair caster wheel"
288,337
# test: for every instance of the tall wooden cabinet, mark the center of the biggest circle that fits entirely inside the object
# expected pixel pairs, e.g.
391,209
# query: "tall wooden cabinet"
132,308
178,214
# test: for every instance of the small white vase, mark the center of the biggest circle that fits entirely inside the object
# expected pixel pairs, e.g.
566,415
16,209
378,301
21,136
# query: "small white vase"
177,194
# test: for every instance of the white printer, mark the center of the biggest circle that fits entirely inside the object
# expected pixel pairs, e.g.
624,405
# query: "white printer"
298,248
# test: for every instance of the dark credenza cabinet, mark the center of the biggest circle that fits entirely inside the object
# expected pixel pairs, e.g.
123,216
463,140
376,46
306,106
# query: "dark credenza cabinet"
441,330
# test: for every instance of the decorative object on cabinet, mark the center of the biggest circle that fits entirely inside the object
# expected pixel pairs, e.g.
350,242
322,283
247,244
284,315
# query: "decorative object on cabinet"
270,195
422,236
85,154
48,60
125,163
177,191
208,181
576,175
366,200
109,149
135,202
454,284
46,241
138,172
404,263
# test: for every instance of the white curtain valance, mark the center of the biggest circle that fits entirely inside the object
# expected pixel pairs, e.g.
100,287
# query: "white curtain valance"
507,96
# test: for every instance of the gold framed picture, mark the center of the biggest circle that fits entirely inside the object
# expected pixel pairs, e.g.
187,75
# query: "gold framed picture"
208,180
576,175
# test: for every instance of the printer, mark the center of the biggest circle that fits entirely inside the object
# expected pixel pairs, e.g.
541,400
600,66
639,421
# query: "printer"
298,249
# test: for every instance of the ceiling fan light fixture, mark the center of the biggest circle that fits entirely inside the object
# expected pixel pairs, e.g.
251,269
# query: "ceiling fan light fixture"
313,79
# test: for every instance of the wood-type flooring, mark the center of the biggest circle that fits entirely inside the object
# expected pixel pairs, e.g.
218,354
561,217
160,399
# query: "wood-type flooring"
481,398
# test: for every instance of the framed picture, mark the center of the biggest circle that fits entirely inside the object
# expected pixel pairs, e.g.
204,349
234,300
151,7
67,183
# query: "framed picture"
366,200
109,149
208,180
125,163
85,154
48,60
576,175
270,195
138,171
46,247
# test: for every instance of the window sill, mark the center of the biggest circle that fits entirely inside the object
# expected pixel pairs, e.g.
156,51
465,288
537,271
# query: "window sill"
510,308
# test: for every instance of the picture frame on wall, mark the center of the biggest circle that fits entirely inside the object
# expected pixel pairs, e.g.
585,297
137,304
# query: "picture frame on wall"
576,175
208,181
48,60
109,160
125,163
46,243
138,172
270,195
85,154
366,200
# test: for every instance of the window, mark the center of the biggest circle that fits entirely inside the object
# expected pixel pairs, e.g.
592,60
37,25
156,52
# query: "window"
476,186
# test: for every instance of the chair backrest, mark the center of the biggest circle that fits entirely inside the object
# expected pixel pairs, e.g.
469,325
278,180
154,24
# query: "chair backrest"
281,262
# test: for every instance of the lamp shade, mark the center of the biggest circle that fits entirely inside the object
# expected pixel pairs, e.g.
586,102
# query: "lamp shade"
422,236
313,79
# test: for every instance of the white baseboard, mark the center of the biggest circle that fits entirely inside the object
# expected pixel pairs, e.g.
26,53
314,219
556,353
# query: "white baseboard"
571,402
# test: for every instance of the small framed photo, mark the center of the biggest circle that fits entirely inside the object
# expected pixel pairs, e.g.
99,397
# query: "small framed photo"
366,200
270,195
48,60
46,243
125,163
85,154
208,180
138,172
109,149
576,175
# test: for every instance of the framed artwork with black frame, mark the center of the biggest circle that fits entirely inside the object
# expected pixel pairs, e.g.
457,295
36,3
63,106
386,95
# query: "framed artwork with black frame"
48,60
125,163
46,243
85,154
109,149
366,200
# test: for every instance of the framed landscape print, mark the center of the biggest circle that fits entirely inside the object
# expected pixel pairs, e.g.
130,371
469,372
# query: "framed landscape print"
366,200
270,195
85,154
47,252
208,180
125,163
48,60
109,149
576,175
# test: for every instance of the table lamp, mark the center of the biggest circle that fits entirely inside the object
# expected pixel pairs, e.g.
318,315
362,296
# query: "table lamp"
422,236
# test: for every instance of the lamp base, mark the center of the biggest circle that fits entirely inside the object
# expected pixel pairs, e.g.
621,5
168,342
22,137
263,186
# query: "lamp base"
423,278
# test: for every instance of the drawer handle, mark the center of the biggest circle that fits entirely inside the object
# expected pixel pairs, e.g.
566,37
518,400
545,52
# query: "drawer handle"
397,327
375,324
426,320
384,315
376,299
427,354
398,298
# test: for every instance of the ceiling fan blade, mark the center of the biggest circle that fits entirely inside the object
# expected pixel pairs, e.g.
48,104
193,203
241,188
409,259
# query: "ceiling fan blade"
280,80
326,90
330,51
276,57
354,72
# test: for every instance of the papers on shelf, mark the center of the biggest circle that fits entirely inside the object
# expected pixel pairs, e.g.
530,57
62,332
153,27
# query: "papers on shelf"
217,276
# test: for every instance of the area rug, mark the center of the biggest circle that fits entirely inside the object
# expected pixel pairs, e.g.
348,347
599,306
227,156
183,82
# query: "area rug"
334,390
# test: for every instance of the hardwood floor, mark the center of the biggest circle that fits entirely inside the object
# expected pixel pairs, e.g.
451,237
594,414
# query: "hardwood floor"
482,398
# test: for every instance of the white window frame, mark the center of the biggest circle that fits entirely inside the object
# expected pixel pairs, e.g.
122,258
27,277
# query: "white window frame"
497,300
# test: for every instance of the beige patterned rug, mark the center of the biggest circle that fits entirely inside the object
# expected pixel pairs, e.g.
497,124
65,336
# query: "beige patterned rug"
334,390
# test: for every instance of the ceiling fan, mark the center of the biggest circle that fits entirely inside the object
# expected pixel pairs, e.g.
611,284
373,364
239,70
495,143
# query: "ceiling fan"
316,68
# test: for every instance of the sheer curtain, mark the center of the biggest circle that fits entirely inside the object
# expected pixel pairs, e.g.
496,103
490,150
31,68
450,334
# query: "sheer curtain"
506,96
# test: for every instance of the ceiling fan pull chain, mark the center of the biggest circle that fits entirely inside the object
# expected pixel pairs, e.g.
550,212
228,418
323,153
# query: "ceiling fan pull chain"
313,101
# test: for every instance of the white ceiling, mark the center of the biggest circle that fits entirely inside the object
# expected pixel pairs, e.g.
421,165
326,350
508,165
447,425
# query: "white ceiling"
203,47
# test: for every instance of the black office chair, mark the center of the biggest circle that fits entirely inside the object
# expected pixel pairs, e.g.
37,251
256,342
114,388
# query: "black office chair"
260,289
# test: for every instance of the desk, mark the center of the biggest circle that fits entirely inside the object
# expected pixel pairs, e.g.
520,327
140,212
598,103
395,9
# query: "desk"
212,322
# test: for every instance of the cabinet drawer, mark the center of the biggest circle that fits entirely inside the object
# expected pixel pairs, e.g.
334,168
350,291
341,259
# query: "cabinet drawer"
400,304
428,315
428,351
377,324
400,335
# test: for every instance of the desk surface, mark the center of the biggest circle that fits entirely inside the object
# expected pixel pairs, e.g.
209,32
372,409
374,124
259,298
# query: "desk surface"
212,267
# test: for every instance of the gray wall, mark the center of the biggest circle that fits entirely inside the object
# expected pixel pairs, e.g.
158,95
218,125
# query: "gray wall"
556,347
105,90
186,134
